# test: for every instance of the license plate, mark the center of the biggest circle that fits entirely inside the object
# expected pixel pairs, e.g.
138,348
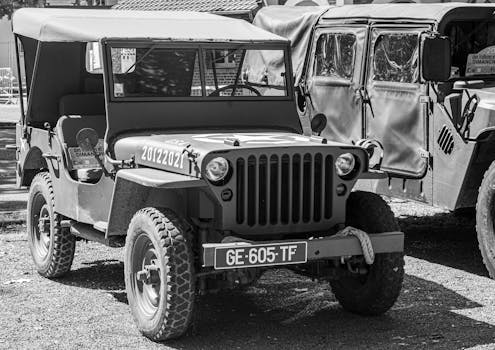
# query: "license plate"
234,257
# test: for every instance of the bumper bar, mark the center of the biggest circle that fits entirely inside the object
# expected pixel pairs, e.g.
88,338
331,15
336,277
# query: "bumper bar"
324,248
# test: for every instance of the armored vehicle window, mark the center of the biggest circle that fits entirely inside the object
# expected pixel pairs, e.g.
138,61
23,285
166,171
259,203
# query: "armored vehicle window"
395,58
335,55
249,73
155,72
473,47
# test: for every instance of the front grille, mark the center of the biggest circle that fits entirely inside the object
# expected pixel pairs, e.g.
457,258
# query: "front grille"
284,189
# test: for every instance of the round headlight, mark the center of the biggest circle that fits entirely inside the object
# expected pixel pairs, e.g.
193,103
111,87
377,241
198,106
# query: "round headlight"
217,169
345,164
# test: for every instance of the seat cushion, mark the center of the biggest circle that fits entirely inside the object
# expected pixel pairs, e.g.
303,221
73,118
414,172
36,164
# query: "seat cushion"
69,126
79,112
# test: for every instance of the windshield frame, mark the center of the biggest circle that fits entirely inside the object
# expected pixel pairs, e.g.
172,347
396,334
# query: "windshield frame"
200,46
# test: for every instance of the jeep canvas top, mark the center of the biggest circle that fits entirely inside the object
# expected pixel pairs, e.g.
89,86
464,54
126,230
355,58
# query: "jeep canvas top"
170,134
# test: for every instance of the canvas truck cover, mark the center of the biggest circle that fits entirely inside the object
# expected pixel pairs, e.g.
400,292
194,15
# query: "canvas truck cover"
77,25
425,12
293,23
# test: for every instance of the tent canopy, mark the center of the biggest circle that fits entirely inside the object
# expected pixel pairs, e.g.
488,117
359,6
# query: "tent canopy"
70,25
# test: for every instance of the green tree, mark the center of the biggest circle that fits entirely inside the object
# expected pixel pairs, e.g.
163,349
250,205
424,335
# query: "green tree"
7,7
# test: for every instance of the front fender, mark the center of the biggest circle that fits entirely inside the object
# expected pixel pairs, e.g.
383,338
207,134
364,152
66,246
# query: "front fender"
138,188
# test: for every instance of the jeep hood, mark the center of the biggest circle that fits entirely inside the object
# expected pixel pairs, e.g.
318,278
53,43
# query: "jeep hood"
184,153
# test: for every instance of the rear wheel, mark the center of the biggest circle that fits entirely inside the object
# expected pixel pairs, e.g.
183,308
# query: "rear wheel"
159,274
52,246
485,223
376,291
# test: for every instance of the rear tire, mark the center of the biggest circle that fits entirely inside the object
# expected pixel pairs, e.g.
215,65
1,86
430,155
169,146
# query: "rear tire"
52,246
376,292
485,224
159,274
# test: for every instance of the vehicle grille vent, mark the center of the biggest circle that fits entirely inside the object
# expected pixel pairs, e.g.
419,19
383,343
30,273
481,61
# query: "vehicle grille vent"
286,189
446,140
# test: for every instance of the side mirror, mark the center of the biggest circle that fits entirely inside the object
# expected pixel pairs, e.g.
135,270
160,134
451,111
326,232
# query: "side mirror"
318,123
436,58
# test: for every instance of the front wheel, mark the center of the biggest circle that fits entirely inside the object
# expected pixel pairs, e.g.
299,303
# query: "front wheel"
376,291
159,274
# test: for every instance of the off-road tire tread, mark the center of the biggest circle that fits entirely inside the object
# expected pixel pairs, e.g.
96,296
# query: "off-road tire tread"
483,229
173,236
383,293
64,243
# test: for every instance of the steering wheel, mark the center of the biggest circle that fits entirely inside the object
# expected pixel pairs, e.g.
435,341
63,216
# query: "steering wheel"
237,86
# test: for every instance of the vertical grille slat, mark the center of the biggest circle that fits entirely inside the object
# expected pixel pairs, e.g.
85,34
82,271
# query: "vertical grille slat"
301,190
284,189
290,181
256,190
268,189
322,186
311,188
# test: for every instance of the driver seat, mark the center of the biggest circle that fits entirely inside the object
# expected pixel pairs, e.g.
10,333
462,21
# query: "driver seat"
78,112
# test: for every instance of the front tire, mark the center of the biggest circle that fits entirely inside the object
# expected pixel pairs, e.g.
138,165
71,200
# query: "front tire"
52,246
159,274
485,224
376,292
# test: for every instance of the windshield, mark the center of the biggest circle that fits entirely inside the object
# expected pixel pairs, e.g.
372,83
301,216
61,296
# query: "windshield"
473,48
163,72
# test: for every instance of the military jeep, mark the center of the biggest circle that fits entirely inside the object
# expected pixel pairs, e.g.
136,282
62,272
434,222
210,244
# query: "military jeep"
141,130
412,82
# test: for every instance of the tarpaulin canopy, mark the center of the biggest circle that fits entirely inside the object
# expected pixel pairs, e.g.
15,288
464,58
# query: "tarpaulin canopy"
296,23
416,12
68,25
293,23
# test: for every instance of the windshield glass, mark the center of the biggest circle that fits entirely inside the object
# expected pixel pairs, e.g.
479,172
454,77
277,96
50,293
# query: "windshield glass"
473,48
164,72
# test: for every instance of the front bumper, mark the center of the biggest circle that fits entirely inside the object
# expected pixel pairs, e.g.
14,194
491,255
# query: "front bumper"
325,247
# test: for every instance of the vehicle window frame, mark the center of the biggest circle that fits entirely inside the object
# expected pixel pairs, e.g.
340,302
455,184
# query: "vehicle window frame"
324,80
107,44
375,33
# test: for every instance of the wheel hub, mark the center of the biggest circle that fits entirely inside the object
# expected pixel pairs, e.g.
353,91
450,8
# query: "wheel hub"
150,274
146,274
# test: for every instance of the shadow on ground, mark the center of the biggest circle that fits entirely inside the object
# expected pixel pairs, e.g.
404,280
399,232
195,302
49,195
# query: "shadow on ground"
444,239
284,310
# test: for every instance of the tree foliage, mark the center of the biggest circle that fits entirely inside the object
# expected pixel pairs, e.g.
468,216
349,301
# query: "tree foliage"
7,7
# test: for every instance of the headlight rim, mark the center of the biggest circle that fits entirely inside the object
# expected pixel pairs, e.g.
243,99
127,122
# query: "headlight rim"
355,168
225,178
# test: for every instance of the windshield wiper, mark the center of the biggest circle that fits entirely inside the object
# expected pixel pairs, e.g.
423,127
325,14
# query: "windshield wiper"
141,59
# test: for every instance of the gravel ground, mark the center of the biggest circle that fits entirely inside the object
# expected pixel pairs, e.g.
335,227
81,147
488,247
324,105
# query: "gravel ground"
447,301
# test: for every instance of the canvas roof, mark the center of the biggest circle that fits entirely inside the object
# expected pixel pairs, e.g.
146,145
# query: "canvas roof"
432,12
294,23
58,25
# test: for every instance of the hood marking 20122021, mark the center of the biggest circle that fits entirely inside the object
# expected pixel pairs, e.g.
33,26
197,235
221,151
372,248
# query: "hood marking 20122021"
162,156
